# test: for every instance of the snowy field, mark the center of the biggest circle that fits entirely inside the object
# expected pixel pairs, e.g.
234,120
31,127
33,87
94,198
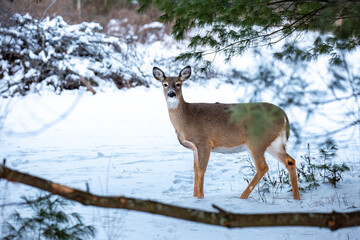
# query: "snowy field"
122,143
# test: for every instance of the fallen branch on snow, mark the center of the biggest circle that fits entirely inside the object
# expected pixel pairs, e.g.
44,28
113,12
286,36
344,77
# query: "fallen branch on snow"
333,221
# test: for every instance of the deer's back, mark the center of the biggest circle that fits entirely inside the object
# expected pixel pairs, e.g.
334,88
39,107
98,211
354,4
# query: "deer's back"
231,125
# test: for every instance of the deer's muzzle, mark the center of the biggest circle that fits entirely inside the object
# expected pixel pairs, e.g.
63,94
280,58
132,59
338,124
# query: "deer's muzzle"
171,94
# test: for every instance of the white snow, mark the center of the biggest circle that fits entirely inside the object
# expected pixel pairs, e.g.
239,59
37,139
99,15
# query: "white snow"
152,25
122,143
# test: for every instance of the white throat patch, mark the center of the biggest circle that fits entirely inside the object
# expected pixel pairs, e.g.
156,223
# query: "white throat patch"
172,103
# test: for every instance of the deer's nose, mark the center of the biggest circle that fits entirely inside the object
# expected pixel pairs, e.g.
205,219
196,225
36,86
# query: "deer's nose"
171,94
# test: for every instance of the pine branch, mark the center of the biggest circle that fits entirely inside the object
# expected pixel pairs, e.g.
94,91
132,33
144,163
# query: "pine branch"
333,221
294,24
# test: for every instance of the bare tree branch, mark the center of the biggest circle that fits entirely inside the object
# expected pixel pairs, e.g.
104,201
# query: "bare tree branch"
44,13
333,221
83,80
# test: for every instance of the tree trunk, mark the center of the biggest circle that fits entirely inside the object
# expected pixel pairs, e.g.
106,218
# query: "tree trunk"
78,6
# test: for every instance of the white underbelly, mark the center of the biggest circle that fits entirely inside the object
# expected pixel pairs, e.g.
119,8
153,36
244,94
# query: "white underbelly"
237,149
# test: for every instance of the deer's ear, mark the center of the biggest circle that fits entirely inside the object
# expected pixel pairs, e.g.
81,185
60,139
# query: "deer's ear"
158,74
185,73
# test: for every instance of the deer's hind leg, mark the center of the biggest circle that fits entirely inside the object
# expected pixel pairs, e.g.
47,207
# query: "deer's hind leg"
280,153
261,168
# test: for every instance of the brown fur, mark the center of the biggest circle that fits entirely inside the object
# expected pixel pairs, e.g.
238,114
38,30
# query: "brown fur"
204,127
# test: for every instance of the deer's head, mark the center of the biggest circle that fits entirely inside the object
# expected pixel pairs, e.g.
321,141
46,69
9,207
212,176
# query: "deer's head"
172,85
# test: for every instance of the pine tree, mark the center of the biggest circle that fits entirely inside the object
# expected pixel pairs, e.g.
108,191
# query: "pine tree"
232,26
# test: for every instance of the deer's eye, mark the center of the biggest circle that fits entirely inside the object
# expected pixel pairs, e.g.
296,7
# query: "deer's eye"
178,84
165,85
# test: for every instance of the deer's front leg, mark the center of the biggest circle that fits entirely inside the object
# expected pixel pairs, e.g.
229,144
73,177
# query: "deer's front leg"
196,180
203,155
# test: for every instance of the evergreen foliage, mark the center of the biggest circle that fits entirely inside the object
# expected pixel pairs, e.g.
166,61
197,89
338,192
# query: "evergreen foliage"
331,171
48,221
328,170
232,26
290,86
257,118
312,171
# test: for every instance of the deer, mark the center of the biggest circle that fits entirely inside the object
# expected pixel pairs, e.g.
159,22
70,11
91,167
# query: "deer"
209,127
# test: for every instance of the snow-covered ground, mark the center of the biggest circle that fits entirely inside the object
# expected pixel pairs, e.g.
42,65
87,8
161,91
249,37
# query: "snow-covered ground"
122,143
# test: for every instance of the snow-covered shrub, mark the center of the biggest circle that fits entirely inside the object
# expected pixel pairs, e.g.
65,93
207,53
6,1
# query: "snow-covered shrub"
147,33
36,53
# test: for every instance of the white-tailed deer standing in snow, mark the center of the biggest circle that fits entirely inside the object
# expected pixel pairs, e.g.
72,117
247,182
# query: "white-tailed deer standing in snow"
204,128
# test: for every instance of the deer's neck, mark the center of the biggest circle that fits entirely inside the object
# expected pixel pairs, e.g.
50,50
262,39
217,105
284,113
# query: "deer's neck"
173,103
177,112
